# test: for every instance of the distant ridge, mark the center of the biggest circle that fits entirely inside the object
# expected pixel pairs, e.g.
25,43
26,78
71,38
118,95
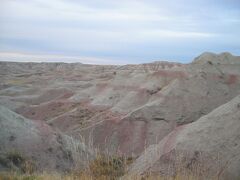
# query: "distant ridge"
212,58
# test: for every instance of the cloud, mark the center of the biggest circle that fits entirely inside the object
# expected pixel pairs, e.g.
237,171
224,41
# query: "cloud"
28,57
65,10
116,29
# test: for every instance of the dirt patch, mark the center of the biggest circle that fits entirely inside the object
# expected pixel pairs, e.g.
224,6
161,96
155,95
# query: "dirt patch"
47,110
232,79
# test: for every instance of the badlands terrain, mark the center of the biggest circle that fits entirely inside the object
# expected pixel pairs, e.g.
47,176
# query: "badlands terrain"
59,114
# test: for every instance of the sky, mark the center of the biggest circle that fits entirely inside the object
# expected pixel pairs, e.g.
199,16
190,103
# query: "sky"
117,32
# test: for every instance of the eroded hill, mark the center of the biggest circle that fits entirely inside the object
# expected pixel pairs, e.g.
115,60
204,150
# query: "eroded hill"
120,109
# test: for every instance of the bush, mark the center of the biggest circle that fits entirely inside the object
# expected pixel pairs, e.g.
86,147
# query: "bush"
14,160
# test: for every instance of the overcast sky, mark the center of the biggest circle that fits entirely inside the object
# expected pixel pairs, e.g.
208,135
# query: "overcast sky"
118,32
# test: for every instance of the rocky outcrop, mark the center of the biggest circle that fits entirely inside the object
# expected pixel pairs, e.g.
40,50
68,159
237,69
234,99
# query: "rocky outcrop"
215,135
179,100
120,109
34,140
212,58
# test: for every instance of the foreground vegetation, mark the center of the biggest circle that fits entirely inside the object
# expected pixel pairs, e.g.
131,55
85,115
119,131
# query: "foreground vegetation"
86,176
102,168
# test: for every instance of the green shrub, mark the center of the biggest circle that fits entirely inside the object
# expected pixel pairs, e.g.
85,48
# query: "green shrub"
15,161
15,158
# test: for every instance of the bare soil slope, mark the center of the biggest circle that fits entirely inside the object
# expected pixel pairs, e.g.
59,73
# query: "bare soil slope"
49,150
216,136
121,109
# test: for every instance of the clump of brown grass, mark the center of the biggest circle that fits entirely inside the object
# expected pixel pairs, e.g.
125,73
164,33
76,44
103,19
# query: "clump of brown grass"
108,166
104,167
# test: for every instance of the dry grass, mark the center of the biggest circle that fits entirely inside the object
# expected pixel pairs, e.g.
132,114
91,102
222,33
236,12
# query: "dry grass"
87,176
109,168
17,81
